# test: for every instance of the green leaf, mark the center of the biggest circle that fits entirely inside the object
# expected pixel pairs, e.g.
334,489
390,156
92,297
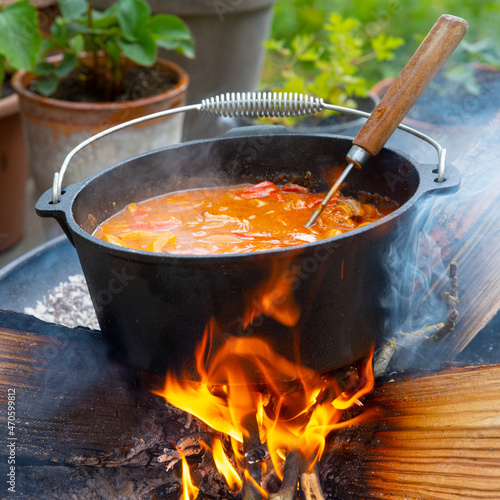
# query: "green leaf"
476,48
131,15
301,43
73,9
171,33
322,86
111,11
356,85
295,84
384,46
102,22
473,87
58,31
67,65
143,51
184,47
311,54
106,18
170,27
20,39
275,45
44,68
493,59
77,43
342,26
47,86
74,28
462,76
46,46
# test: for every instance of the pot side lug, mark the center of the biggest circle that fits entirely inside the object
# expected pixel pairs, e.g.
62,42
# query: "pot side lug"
429,183
59,211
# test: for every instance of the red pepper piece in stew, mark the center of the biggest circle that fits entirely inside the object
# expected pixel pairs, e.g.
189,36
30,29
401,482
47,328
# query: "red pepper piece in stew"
260,190
278,197
295,188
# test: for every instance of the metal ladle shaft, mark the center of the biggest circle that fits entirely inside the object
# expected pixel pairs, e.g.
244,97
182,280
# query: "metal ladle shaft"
436,48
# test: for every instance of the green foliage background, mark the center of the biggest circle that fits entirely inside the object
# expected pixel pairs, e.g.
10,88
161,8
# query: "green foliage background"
409,19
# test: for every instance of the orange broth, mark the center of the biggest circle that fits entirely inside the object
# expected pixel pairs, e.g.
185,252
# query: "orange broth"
237,219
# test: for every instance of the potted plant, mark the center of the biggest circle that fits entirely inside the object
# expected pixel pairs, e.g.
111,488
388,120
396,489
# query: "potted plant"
105,71
229,38
328,64
19,43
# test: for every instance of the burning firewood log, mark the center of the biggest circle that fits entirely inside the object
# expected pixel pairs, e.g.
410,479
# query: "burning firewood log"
74,405
86,426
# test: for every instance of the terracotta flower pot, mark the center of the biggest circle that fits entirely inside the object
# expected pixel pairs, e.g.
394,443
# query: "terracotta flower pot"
53,127
229,36
13,167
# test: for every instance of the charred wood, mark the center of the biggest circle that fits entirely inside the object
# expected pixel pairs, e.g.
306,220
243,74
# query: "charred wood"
86,425
310,484
253,476
288,489
451,299
74,404
259,454
434,437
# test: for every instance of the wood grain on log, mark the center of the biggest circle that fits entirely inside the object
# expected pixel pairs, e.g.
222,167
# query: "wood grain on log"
75,405
435,437
87,426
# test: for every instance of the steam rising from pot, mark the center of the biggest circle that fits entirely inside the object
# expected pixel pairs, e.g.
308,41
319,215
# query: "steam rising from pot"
459,226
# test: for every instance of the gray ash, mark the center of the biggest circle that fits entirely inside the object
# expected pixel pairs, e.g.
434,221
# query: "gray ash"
68,304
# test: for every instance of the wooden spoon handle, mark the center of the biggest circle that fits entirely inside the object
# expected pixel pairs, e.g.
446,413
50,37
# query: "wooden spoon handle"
432,53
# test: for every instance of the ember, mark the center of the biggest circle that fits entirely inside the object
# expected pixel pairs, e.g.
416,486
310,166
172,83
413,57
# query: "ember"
265,406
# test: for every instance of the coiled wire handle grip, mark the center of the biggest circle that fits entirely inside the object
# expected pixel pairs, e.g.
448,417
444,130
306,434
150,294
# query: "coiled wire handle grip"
251,104
259,104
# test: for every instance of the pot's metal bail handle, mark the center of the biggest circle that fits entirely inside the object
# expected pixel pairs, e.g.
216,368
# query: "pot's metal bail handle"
250,104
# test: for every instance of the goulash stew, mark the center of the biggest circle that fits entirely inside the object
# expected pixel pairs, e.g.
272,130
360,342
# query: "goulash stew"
236,219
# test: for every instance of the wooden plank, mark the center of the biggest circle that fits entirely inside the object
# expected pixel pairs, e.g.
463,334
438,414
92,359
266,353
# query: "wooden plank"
85,423
433,437
74,404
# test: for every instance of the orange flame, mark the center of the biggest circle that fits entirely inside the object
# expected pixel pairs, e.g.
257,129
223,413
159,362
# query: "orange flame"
364,387
275,298
264,494
189,490
295,407
225,467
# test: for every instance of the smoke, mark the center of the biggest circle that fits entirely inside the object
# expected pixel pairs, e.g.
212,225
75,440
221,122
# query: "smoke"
443,230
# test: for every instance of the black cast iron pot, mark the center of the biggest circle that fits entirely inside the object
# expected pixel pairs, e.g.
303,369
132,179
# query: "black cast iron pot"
154,308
